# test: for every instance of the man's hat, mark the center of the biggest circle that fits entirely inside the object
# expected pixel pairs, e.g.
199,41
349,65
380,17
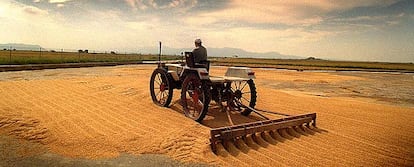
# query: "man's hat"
198,40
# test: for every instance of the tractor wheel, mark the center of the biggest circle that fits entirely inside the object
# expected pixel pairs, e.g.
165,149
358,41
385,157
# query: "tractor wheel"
195,97
160,87
245,92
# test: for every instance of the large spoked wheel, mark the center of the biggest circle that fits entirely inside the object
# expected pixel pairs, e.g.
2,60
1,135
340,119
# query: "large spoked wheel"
245,93
160,88
195,97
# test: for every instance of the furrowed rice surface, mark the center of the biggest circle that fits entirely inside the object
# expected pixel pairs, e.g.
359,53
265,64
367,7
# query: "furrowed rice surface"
106,111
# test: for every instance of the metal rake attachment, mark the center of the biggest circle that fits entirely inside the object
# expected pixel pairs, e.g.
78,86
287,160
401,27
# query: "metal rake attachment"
231,133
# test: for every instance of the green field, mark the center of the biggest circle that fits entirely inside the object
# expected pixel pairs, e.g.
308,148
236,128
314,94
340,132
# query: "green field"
36,57
315,64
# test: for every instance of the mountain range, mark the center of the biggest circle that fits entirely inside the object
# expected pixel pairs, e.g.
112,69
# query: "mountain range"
20,46
221,52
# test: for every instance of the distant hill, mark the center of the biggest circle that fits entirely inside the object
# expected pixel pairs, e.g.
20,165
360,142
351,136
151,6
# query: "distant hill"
19,46
235,52
221,52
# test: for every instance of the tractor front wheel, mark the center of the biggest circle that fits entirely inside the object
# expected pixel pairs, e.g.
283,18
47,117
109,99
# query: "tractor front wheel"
245,93
195,97
160,87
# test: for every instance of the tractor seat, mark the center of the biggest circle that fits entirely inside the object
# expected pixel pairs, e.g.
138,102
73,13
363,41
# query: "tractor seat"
189,58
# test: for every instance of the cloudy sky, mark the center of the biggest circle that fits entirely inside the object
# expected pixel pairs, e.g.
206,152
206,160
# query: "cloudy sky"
368,30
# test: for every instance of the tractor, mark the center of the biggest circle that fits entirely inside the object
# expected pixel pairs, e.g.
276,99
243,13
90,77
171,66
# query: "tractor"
233,92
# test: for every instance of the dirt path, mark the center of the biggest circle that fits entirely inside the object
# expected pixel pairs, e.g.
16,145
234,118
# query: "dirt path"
103,112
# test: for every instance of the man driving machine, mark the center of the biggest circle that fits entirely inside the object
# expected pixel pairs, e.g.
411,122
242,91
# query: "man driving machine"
199,52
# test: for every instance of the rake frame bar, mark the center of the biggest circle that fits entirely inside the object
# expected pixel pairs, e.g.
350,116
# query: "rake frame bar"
230,133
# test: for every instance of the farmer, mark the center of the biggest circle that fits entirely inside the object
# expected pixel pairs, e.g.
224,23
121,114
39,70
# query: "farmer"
199,52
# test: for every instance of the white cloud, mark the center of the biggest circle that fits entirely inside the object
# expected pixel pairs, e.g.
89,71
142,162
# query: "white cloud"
131,3
34,11
58,1
258,12
18,11
145,4
136,4
263,40
175,3
298,12
28,24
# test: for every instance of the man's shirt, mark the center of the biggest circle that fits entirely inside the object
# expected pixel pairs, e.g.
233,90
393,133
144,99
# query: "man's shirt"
200,54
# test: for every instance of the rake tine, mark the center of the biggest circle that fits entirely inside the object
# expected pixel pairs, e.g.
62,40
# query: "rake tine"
268,138
244,138
276,135
284,134
231,148
307,130
300,130
221,150
226,145
252,144
254,137
261,141
242,146
293,132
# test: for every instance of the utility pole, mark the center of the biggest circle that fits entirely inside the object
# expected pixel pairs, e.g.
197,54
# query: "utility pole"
40,55
159,56
10,54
